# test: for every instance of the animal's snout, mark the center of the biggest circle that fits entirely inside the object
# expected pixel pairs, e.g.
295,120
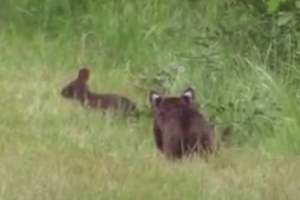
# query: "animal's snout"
64,92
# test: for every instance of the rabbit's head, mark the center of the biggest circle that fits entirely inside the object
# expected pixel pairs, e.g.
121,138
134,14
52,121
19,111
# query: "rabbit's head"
77,89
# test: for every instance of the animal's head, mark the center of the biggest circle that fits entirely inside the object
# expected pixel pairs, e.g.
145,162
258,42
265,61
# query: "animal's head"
165,104
77,88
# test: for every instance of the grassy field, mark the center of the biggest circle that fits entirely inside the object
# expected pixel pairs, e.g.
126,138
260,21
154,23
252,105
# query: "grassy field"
51,148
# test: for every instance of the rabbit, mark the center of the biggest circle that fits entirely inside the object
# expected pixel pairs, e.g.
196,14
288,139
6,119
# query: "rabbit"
78,90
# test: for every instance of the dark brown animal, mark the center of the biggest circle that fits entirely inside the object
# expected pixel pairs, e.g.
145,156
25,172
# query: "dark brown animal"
179,129
78,90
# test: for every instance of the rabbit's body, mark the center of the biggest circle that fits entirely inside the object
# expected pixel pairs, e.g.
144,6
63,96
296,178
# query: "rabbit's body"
78,90
110,101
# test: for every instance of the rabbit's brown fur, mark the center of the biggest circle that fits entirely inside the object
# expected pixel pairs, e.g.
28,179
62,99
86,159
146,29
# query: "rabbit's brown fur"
78,90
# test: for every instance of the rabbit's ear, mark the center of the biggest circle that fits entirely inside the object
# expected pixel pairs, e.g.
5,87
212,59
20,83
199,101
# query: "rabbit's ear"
83,74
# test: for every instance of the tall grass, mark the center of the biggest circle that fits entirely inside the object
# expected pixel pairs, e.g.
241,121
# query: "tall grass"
51,148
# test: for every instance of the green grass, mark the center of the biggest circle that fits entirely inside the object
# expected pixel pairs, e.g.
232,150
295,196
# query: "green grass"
51,148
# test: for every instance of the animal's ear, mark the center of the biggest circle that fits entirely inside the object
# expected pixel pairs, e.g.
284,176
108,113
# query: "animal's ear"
189,95
83,74
155,99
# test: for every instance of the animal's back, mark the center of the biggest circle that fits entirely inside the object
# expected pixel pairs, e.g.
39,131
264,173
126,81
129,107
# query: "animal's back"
113,101
201,130
188,131
122,102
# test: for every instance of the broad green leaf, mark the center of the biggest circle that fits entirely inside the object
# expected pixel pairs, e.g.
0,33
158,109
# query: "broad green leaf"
273,5
284,18
298,4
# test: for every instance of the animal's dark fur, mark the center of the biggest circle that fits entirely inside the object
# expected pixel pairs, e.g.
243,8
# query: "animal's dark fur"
179,129
78,90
